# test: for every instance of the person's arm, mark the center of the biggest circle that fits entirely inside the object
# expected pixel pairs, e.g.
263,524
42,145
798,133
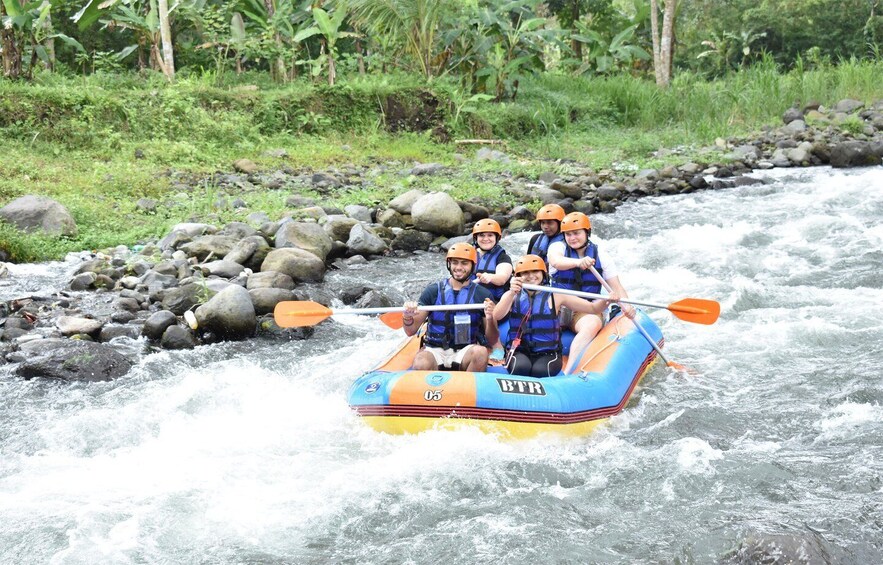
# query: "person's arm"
578,304
504,306
412,318
491,329
561,263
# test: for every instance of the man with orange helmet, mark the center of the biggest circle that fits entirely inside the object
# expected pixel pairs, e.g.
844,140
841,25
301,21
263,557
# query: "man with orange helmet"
534,338
454,339
549,217
570,263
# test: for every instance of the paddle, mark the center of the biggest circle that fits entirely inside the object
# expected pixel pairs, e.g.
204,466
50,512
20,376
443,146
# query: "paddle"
696,310
300,313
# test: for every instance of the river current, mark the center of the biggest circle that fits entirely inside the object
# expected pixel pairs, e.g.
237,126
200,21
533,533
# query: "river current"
248,452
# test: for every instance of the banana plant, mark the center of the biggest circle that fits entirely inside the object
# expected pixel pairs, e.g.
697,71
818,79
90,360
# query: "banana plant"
603,56
328,26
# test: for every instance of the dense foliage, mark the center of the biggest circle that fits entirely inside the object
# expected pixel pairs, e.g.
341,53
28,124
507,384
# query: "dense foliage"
486,45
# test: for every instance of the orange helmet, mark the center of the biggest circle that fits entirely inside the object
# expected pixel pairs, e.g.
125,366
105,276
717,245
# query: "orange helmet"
463,251
485,226
550,212
576,221
530,263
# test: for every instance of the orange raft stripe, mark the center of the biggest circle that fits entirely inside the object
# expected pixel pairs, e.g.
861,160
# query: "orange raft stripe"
412,388
508,415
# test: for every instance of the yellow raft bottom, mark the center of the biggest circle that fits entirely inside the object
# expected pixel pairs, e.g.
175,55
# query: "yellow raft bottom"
502,428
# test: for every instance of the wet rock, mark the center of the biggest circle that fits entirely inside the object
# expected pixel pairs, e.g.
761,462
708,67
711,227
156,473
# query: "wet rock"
72,325
364,241
270,279
265,299
111,331
412,240
74,360
229,314
129,304
157,323
306,236
854,154
83,281
37,213
180,299
374,299
122,317
177,337
338,227
300,265
404,203
438,213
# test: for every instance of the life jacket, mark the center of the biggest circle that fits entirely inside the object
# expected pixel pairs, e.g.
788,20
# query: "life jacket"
538,332
487,263
440,332
541,245
576,278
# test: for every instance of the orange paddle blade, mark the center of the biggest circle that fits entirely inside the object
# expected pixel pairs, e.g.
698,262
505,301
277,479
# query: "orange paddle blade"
300,313
393,320
696,310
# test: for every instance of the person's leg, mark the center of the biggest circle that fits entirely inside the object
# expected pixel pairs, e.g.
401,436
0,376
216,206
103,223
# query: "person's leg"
519,364
547,365
473,358
586,328
426,360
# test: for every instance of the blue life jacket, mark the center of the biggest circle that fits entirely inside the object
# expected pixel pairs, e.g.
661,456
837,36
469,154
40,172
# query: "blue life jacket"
576,278
440,332
487,263
540,332
541,245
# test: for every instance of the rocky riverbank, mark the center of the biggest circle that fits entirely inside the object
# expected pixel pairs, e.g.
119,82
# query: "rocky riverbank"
230,277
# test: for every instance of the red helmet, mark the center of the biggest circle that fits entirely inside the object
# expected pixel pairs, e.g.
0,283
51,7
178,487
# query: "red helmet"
487,226
463,251
550,212
530,263
576,221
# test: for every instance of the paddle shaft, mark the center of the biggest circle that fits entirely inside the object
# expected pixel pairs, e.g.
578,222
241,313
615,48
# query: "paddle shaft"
430,308
637,325
601,296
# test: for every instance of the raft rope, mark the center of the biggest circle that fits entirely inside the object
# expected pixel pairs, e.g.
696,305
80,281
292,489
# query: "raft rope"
617,335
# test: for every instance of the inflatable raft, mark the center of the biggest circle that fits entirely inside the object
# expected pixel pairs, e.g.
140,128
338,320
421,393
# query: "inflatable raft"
393,399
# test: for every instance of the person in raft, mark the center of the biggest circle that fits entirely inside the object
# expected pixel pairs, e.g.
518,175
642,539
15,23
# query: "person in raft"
549,217
494,268
569,263
454,339
534,330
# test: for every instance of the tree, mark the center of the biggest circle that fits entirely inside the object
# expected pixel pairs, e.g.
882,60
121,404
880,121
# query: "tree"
663,45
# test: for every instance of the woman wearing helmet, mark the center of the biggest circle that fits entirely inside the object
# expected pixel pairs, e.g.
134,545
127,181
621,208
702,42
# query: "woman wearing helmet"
494,267
569,263
534,339
549,217
454,339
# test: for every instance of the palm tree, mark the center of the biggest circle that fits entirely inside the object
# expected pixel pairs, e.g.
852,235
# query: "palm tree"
413,24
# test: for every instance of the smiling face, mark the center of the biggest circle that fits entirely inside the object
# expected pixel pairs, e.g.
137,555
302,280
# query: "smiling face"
460,269
531,277
576,239
549,227
486,240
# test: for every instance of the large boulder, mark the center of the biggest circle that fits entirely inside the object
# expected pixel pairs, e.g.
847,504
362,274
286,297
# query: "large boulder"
269,279
854,154
158,323
300,265
403,203
266,299
304,235
182,298
73,325
363,241
75,360
249,252
209,246
338,227
229,314
438,213
37,213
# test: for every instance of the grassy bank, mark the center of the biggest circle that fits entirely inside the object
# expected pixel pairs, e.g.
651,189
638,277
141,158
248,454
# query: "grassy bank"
76,139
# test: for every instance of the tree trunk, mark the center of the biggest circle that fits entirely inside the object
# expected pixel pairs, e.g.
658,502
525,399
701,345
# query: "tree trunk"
654,33
165,32
49,42
360,57
667,43
663,44
11,54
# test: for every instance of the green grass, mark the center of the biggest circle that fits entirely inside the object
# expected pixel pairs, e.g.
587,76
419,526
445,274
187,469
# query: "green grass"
74,139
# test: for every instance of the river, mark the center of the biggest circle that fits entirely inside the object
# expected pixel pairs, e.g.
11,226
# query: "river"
248,452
